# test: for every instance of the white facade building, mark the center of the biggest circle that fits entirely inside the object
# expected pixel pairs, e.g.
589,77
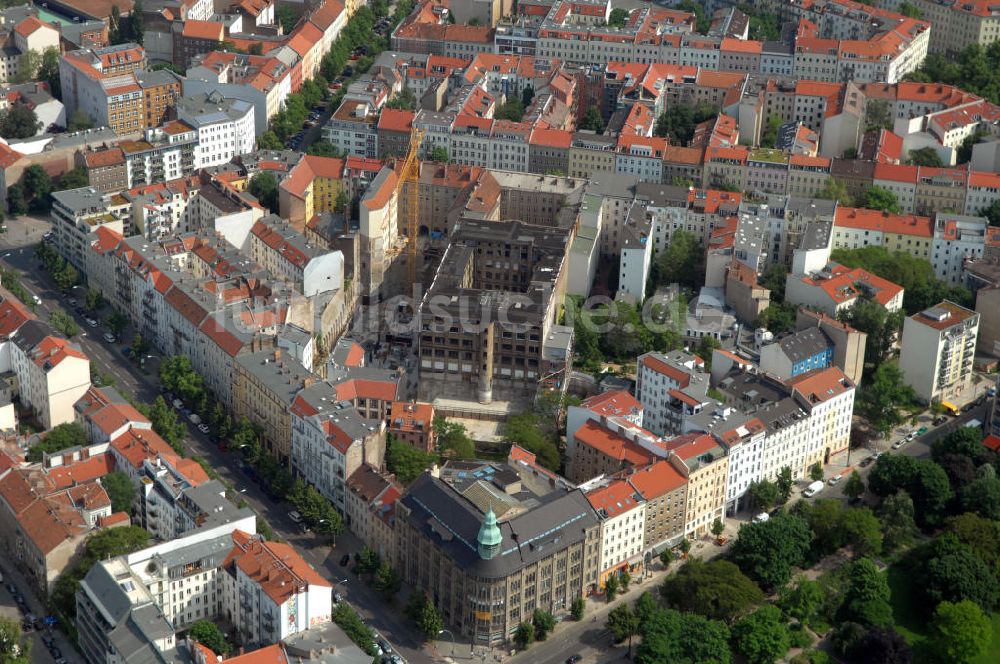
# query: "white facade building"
225,127
938,347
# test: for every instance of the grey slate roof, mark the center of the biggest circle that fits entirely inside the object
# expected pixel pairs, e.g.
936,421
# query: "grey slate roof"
805,344
452,523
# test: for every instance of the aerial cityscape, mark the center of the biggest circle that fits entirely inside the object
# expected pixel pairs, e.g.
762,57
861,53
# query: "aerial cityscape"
486,331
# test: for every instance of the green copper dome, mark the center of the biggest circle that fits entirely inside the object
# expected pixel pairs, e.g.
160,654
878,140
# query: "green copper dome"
489,536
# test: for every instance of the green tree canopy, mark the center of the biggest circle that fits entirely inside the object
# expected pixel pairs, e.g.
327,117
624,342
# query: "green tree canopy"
672,636
960,632
883,398
453,439
882,199
19,121
618,17
762,637
120,490
407,462
681,262
678,121
716,590
896,514
208,634
264,187
767,551
61,437
925,157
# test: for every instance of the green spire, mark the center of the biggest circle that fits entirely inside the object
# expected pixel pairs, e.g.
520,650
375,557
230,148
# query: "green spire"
489,536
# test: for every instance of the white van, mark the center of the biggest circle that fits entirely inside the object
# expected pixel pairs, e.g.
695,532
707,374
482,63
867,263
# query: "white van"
813,489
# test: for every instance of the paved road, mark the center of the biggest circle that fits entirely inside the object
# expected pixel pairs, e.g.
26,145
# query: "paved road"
390,623
9,609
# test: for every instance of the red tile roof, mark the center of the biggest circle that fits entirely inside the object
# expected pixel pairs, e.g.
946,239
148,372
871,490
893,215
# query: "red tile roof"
206,30
656,480
613,403
611,444
275,567
614,499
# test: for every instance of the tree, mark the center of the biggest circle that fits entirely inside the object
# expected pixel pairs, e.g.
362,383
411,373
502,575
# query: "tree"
453,440
14,649
269,141
578,608
424,615
349,621
784,483
836,190
404,101
387,580
767,551
931,492
544,623
854,487
264,187
774,280
992,212
953,572
862,531
769,137
964,441
117,322
896,516
960,632
37,185
718,527
716,590
882,645
702,21
816,472
524,636
286,17
64,323
762,637
878,115
671,636
407,462
883,398
624,578
682,262
906,9
512,109
525,429
618,17
982,497
882,199
62,437
27,67
48,71
73,179
592,120
778,318
120,491
802,600
867,598
611,587
880,325
439,154
925,157
19,121
208,634
623,624
764,494
165,422
679,121
981,535
666,557
527,95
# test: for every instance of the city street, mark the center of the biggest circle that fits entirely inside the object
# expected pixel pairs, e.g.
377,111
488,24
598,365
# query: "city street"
129,379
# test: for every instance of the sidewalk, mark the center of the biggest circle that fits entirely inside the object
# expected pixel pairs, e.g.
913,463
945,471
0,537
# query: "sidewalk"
39,653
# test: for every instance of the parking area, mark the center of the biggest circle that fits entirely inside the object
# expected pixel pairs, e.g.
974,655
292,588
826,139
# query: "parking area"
49,646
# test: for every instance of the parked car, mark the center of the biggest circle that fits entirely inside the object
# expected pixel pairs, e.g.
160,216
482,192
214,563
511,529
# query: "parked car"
91,322
344,559
939,420
295,517
833,480
110,338
867,461
762,517
573,659
813,489
203,428
910,436
178,404
194,419
899,443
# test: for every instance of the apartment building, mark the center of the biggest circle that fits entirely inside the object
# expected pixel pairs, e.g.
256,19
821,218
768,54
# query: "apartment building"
331,440
622,514
102,82
797,353
673,388
52,373
664,490
282,250
163,154
270,591
938,347
76,214
225,127
836,288
160,91
371,510
519,539
702,459
413,423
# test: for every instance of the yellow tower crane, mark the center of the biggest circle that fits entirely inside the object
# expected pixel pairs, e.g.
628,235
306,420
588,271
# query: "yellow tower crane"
410,175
